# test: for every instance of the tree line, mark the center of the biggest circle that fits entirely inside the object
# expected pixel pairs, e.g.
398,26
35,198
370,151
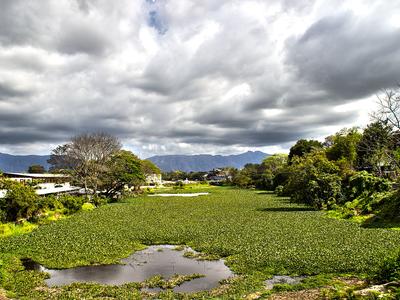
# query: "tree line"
352,171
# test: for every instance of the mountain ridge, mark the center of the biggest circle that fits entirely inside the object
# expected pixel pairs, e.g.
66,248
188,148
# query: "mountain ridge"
206,162
186,163
21,163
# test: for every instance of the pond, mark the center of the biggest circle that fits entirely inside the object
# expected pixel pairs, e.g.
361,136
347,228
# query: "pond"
162,260
180,195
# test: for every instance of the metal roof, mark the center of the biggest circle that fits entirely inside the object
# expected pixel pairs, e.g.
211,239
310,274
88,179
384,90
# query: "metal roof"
35,175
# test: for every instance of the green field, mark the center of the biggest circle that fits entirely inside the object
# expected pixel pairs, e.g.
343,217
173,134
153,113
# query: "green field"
258,234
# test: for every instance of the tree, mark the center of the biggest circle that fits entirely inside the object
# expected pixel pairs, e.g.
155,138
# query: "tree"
343,146
123,170
36,169
61,161
255,173
388,113
314,180
148,167
374,148
273,165
86,156
20,202
302,147
389,108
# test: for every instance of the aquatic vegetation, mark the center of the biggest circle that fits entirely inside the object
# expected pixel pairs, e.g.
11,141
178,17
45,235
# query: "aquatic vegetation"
258,235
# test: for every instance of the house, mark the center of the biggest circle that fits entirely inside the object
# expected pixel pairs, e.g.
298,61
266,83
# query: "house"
217,175
44,184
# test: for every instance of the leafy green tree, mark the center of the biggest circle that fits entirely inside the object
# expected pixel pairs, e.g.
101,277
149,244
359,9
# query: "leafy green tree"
343,146
20,202
241,179
302,147
36,169
314,180
255,173
274,166
124,169
374,148
148,167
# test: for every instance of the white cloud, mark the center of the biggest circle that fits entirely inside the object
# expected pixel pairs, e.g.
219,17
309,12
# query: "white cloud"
171,76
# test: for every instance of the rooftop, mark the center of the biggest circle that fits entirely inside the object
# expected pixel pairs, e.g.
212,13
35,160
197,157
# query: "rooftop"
35,175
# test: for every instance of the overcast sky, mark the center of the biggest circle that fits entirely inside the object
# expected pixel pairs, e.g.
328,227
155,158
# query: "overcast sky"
190,76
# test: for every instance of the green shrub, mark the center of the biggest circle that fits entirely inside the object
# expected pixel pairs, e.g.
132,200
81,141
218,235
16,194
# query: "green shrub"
50,202
388,208
390,269
178,185
87,206
314,180
363,184
279,190
71,203
20,202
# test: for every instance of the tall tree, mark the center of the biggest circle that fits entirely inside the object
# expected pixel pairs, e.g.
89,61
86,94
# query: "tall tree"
86,156
342,146
374,148
148,167
302,147
36,169
124,170
273,165
389,108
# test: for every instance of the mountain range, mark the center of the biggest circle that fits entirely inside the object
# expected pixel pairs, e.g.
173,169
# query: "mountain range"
21,163
187,163
206,162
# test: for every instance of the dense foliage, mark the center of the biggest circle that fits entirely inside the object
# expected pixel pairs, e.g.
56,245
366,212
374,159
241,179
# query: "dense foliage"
302,147
36,169
274,237
352,172
20,201
314,180
123,170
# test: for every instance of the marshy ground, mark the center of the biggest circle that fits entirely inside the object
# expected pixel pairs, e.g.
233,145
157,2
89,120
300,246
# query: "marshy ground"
259,235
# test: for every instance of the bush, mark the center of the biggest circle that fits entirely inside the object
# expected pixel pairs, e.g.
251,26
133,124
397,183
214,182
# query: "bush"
87,206
365,184
390,269
314,180
280,190
20,202
388,208
71,203
178,185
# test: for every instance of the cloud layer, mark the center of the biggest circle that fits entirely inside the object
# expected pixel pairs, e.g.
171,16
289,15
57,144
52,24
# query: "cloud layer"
171,76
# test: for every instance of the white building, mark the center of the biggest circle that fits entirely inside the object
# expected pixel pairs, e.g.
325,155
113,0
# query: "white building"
46,184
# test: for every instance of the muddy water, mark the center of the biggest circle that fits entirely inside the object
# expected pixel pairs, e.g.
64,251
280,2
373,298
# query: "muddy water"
155,260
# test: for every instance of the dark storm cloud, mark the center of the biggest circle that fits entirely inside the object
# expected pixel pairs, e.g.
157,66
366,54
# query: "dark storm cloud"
82,38
348,56
8,91
190,76
21,22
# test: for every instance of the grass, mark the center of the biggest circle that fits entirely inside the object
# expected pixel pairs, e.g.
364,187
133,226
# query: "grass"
258,234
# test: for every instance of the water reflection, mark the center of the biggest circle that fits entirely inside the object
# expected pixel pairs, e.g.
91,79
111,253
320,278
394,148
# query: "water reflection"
155,260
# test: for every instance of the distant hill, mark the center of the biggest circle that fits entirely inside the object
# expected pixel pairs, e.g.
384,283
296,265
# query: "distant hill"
206,162
187,163
21,163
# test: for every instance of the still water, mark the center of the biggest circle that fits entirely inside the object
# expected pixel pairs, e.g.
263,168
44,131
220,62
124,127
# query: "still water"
155,260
